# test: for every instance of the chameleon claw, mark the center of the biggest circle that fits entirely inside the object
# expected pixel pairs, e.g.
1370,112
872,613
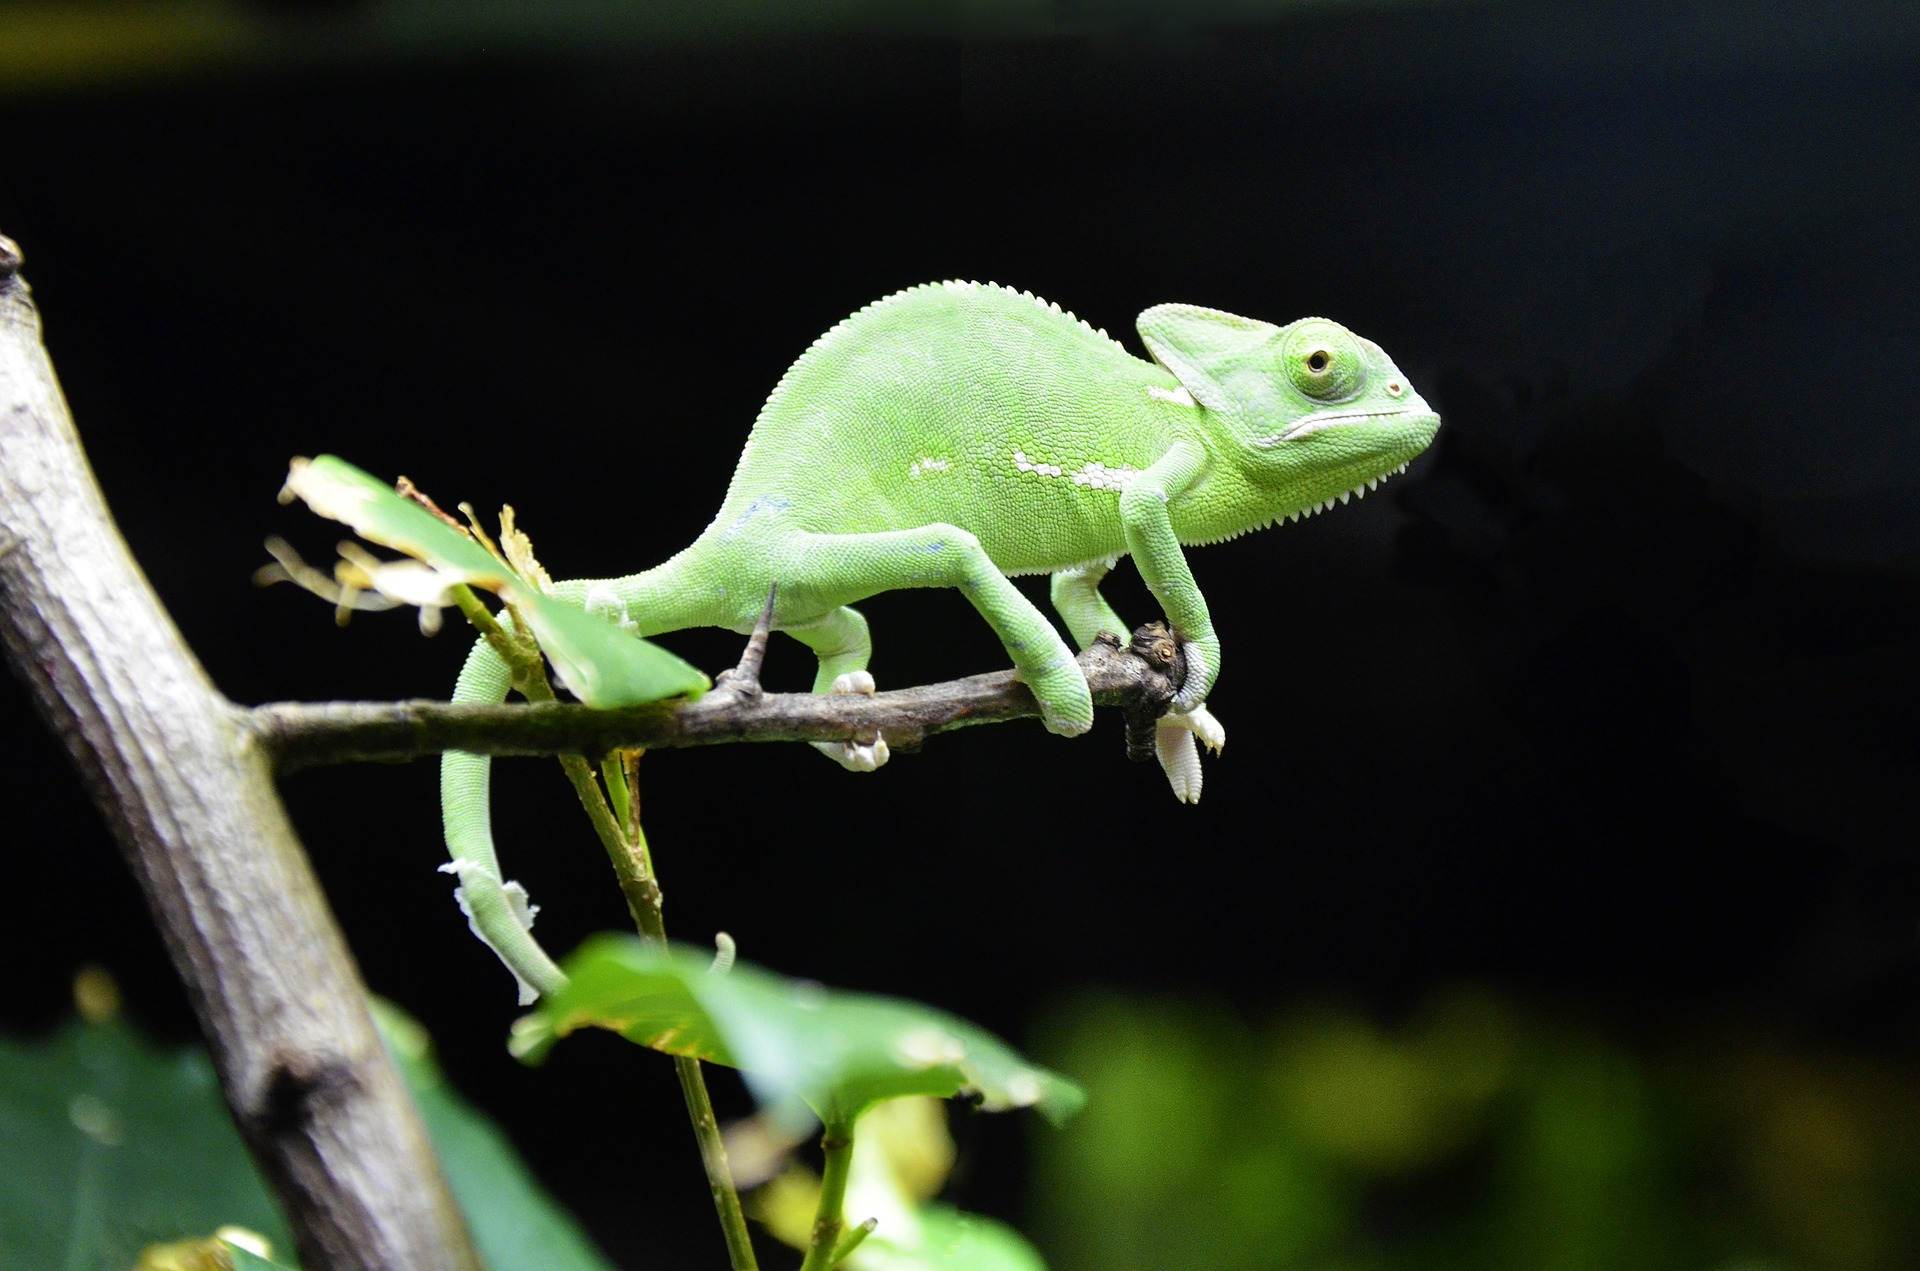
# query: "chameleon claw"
860,682
855,756
1179,759
1173,744
868,758
852,755
1200,722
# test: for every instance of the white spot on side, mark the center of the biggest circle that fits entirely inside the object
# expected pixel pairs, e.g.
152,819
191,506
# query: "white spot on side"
926,465
1178,396
1094,476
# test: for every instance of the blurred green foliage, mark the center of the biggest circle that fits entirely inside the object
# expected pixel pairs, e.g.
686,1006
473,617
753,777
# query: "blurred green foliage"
901,1156
1472,1136
110,1145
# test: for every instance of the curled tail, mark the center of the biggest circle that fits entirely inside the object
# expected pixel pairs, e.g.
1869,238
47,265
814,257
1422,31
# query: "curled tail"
497,911
660,599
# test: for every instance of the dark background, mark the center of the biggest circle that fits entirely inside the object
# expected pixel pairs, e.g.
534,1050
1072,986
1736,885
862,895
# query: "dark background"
1608,704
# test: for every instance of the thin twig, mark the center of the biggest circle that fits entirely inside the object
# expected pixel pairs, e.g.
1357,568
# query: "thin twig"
713,1155
312,734
744,679
633,863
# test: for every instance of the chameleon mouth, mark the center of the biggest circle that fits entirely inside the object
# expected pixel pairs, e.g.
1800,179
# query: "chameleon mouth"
1320,419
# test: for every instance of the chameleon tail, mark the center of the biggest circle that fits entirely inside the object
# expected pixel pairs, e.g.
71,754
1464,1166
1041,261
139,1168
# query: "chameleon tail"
669,597
497,911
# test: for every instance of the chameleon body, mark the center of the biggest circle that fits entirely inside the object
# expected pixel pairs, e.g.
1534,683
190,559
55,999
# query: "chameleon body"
954,434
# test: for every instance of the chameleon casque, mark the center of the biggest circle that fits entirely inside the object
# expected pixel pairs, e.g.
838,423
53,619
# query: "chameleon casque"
956,433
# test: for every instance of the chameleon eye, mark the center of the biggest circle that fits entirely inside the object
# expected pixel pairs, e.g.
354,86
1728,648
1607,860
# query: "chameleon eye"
1323,361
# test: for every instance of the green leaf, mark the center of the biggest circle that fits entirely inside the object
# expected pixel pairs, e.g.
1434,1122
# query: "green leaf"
949,1240
515,1224
901,1156
602,664
111,1145
795,1042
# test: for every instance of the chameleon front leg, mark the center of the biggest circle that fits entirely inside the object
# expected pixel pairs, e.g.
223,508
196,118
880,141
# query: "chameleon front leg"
497,911
1148,526
841,642
1077,599
941,555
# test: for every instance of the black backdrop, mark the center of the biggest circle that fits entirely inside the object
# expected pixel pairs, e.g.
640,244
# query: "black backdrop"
1608,704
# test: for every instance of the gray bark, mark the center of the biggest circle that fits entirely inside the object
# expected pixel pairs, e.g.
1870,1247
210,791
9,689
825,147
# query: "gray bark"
188,790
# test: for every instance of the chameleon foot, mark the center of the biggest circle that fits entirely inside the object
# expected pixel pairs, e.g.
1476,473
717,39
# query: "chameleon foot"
852,755
855,757
1066,703
860,682
1173,745
1193,689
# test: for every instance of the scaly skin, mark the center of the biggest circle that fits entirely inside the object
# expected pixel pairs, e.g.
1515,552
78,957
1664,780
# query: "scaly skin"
954,434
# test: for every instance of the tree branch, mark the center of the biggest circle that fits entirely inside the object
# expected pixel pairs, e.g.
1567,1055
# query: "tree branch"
188,790
302,734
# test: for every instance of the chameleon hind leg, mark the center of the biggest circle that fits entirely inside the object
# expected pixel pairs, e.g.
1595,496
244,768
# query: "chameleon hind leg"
1077,599
841,642
940,555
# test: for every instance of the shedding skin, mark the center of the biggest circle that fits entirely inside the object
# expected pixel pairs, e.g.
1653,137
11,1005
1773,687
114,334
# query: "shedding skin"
958,434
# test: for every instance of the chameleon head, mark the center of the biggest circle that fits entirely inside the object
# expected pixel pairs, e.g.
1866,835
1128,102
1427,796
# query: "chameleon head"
1307,413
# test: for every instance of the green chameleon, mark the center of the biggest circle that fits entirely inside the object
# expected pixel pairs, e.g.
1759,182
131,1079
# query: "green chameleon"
954,434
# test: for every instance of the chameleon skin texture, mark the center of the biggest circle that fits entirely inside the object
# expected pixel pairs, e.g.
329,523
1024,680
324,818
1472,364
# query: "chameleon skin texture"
957,433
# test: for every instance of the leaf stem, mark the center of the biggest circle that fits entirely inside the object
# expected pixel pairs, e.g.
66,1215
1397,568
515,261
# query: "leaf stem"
837,1145
626,845
854,1240
713,1155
